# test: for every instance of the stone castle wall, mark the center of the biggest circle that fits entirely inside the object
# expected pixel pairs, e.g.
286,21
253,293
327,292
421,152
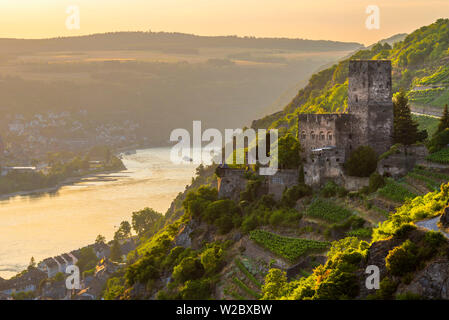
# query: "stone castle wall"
370,101
399,163
282,179
324,165
230,183
323,130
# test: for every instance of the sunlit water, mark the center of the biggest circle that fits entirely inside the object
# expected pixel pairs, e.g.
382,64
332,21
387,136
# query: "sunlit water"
45,225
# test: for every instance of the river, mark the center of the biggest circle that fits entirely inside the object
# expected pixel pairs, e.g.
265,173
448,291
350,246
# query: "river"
47,224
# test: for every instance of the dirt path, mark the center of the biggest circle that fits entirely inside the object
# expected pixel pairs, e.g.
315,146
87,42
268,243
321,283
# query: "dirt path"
431,224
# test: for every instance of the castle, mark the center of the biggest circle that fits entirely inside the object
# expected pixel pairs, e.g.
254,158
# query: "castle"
328,139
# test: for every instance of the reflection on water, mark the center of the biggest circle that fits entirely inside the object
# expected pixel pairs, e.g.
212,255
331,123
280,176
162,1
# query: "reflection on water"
47,224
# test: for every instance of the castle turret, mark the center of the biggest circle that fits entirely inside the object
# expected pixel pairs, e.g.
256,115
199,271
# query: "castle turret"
370,104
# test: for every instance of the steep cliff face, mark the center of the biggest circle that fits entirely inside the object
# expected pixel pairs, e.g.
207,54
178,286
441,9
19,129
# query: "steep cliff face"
421,270
444,220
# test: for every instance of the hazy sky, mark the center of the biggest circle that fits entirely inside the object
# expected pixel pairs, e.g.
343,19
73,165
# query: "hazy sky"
312,19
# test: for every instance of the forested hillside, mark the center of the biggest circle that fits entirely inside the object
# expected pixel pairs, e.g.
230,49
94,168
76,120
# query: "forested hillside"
420,66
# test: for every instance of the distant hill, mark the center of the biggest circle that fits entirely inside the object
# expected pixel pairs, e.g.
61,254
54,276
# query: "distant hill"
420,65
392,40
177,42
130,88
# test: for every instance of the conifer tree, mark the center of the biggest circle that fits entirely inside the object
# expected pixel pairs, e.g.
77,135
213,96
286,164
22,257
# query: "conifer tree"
405,130
444,120
116,254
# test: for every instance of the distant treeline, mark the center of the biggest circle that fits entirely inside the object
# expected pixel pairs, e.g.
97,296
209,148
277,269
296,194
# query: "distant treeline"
165,41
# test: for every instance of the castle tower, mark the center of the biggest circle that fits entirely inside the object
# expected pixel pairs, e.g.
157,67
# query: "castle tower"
370,104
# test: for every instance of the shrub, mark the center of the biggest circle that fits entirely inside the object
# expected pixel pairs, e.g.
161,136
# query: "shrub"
196,290
434,239
251,190
330,189
387,288
402,259
189,269
211,259
409,296
114,288
376,181
275,284
223,214
249,223
362,162
404,230
291,195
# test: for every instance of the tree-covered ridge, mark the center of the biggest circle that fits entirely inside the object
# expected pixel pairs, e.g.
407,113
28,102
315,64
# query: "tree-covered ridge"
419,60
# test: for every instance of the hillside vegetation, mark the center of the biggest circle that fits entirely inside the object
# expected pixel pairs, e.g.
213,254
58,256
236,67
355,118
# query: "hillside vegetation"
419,62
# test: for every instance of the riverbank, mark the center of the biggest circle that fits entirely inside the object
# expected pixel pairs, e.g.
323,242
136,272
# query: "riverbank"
67,182
49,224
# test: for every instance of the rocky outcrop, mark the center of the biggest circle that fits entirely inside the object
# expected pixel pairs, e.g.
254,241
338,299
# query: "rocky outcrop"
183,238
376,256
444,220
432,282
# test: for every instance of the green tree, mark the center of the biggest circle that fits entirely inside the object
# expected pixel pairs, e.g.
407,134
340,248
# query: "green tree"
196,290
288,152
211,259
123,232
100,239
32,263
362,162
146,220
444,120
405,129
275,285
116,253
189,269
87,259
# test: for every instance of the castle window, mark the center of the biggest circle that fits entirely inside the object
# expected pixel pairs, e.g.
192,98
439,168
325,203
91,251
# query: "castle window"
312,135
329,136
338,160
321,135
303,135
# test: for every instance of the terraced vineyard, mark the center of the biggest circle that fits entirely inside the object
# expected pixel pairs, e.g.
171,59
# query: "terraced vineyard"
286,247
393,190
441,156
244,284
327,210
417,182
